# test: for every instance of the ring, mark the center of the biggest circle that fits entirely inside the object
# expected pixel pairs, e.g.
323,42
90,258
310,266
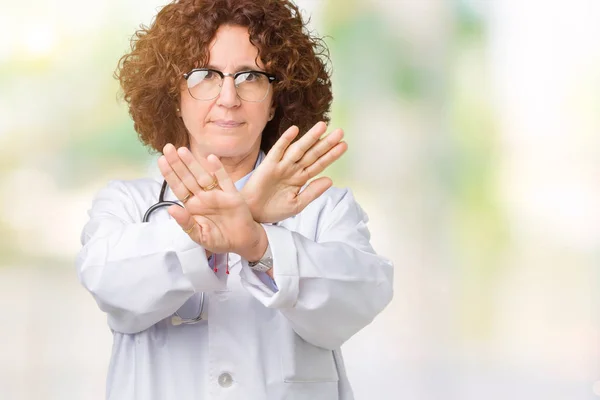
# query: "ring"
213,185
188,230
186,198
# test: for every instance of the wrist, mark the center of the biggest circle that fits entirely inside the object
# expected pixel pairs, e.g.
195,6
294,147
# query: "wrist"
259,245
250,202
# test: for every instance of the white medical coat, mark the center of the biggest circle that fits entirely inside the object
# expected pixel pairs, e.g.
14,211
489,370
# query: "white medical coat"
259,341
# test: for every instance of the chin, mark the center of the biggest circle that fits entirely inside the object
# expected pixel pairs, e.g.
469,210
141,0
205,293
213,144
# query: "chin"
229,148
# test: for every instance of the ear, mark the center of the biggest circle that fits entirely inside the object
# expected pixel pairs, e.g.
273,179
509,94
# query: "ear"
272,113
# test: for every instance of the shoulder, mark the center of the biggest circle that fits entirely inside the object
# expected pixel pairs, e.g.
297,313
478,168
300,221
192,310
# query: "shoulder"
333,197
130,195
334,214
336,201
133,187
145,187
336,196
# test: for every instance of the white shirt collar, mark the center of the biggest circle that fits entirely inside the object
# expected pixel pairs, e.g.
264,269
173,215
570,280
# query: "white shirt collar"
241,182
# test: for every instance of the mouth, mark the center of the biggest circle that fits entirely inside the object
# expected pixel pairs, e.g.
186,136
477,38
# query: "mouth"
227,124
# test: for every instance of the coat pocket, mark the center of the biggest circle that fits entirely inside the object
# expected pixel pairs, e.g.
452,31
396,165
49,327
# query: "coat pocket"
304,362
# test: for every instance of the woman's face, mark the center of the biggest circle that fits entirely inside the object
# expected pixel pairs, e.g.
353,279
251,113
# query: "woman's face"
226,125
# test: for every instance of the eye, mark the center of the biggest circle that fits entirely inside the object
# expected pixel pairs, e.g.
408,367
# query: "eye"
252,76
249,77
202,76
209,75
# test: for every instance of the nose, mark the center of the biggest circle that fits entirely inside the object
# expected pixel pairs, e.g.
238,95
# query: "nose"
228,96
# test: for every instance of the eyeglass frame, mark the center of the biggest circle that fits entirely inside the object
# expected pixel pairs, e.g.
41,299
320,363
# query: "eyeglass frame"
272,78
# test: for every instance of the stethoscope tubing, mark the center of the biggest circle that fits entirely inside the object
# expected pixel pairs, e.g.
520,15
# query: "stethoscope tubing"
161,203
176,319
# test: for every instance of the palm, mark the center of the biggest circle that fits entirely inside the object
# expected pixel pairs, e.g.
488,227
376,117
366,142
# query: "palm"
224,220
276,189
219,217
273,191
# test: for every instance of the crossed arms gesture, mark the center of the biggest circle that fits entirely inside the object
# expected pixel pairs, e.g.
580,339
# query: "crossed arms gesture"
222,219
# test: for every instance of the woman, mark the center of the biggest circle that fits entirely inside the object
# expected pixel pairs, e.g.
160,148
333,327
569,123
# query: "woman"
250,283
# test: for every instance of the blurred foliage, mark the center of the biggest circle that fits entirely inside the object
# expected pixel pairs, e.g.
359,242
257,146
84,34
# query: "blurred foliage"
368,60
469,173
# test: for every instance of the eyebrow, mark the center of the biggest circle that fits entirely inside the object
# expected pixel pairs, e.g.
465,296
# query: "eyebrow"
240,68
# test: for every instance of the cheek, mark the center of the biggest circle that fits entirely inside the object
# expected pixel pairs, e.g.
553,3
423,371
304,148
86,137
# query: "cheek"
260,114
194,112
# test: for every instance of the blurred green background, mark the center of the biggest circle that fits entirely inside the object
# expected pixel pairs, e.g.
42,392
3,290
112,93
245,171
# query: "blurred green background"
473,132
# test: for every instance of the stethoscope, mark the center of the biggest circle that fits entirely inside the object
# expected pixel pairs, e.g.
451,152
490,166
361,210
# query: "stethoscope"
176,319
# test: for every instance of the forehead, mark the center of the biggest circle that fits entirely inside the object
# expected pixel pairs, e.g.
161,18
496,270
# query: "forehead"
231,49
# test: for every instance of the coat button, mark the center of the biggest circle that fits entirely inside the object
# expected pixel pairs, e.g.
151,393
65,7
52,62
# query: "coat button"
225,380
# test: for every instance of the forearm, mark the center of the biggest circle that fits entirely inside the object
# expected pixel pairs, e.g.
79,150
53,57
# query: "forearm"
328,291
141,273
258,251
255,245
330,281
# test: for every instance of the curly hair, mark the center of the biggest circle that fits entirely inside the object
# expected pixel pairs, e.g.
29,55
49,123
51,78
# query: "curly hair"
178,40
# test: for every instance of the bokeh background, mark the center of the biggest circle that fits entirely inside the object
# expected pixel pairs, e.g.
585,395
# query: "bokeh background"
474,145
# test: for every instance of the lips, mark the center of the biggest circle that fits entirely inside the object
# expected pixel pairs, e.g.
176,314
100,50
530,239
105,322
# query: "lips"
227,123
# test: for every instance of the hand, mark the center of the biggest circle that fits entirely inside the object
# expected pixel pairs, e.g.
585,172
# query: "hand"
273,190
184,175
183,172
219,219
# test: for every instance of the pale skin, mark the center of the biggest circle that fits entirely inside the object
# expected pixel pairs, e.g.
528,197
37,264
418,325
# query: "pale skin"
223,219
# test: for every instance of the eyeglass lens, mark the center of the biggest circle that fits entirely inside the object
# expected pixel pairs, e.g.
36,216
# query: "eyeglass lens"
207,84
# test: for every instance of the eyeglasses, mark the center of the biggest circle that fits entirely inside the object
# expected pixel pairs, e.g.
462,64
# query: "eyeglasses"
206,84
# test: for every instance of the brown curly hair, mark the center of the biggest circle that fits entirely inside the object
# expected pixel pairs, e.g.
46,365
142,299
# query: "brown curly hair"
177,41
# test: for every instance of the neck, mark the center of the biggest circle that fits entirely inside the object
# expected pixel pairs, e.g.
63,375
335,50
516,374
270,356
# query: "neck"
236,167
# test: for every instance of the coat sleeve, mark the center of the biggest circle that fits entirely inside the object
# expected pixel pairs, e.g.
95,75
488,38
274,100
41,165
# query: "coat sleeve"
331,287
138,273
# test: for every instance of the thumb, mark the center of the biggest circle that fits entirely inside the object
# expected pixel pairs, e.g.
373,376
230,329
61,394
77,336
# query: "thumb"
183,218
314,189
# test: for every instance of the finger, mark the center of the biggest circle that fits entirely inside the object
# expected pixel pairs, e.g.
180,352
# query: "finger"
296,151
176,185
184,219
278,149
321,147
312,191
222,176
197,167
182,171
326,160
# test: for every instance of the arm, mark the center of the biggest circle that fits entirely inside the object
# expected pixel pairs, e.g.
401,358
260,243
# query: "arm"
139,273
330,288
